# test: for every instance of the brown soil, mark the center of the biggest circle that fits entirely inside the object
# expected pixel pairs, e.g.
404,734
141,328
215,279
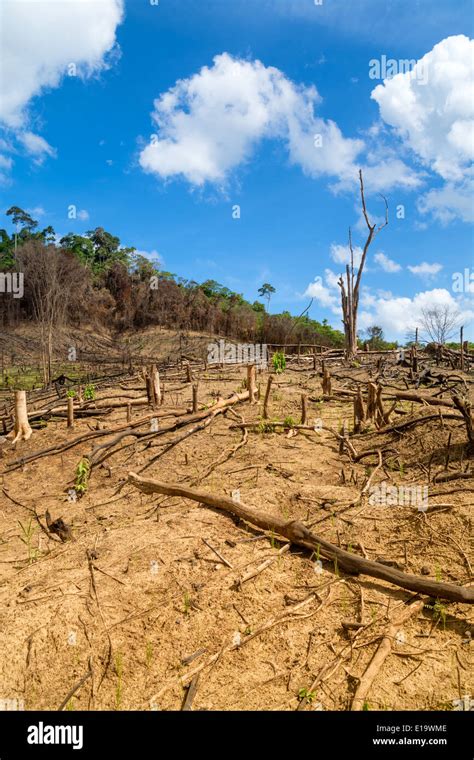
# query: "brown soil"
159,594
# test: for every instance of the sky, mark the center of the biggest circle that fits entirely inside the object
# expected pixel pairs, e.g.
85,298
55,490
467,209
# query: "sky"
225,138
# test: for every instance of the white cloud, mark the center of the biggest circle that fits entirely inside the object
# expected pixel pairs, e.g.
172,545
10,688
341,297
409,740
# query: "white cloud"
341,254
435,118
83,215
210,123
36,146
41,38
450,202
397,315
5,162
36,212
322,295
331,278
153,255
326,295
431,108
425,270
387,264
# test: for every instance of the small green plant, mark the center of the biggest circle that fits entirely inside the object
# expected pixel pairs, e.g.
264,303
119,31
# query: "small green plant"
279,362
28,532
89,392
248,631
265,427
82,476
289,422
305,693
71,393
438,574
366,706
119,671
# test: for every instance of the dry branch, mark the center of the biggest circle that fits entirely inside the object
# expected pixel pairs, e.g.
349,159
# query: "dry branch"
382,653
297,533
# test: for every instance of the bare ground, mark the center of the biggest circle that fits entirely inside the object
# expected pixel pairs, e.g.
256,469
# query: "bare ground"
138,592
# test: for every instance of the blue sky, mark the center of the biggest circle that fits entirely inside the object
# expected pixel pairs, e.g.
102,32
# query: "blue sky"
243,132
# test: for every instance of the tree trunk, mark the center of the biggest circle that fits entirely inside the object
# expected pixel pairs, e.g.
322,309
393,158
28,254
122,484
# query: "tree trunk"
22,430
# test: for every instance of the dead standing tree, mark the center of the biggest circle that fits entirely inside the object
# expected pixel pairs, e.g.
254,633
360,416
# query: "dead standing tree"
350,289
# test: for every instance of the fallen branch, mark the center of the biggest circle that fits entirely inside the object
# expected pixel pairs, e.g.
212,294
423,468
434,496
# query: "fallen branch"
298,534
382,653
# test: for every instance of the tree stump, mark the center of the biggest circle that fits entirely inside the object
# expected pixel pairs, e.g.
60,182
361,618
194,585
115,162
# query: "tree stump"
22,430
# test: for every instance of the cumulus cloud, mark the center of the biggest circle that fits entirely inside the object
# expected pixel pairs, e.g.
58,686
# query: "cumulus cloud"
211,123
323,295
341,254
450,201
83,215
435,118
398,315
331,278
431,108
425,270
40,39
387,264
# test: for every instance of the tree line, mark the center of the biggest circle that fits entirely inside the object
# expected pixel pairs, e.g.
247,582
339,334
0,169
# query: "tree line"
93,279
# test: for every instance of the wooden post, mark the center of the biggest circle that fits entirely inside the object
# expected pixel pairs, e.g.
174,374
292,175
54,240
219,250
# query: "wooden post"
326,381
416,336
251,382
189,374
195,397
304,409
22,430
155,378
70,412
462,347
149,390
267,397
129,412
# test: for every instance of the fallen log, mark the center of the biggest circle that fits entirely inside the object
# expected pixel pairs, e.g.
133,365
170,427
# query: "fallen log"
299,534
419,398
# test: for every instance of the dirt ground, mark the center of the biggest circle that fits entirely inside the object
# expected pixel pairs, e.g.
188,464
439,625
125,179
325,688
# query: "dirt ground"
146,595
